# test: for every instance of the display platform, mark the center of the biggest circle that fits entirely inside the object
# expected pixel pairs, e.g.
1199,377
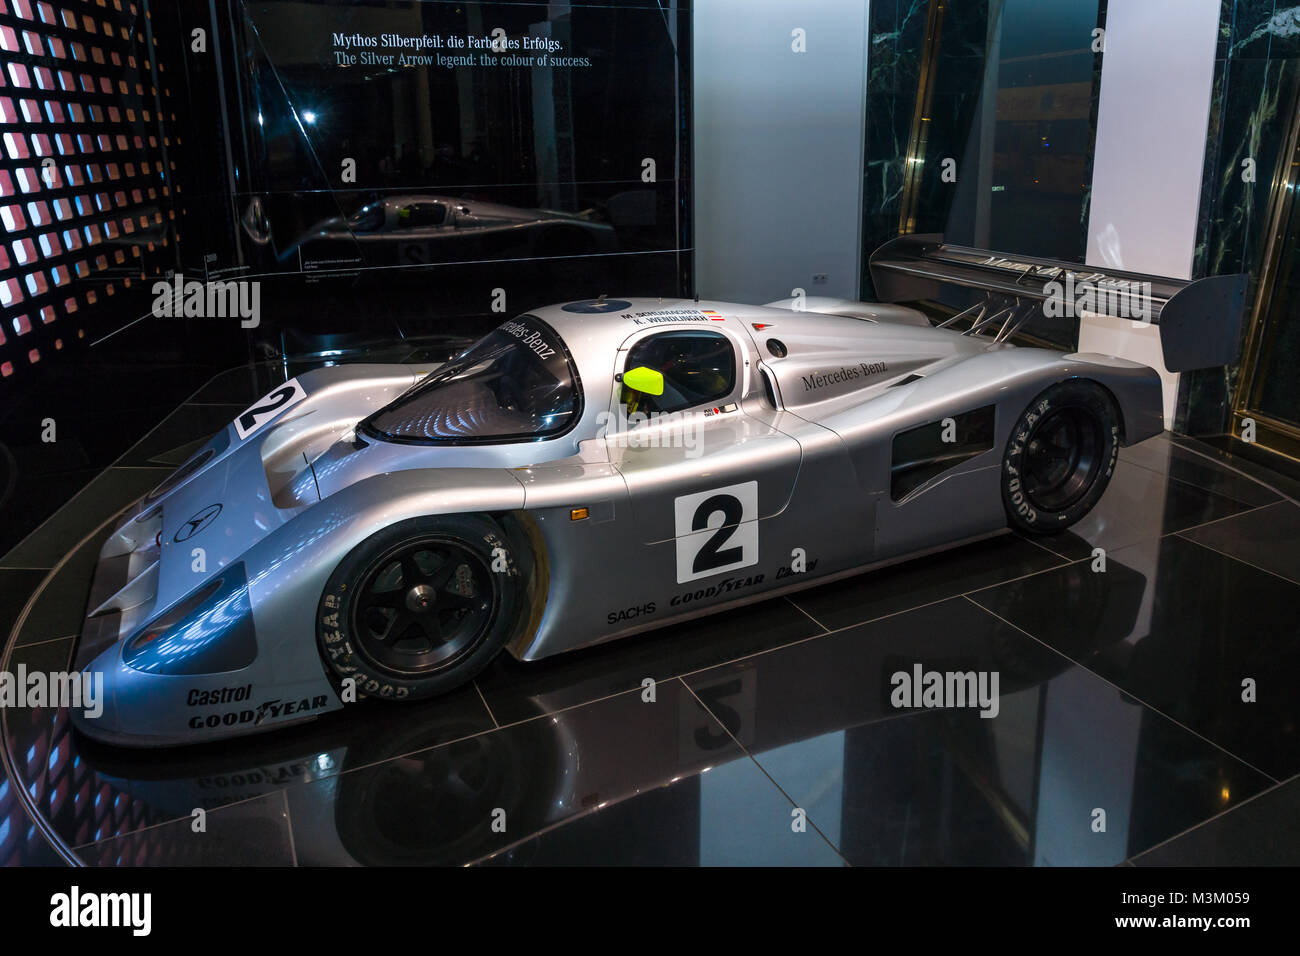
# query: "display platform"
769,737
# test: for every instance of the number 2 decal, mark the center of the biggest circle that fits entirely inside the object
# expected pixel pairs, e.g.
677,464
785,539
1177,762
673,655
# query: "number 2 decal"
716,531
268,407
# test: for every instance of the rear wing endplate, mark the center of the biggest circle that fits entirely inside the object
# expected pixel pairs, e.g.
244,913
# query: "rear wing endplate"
1199,320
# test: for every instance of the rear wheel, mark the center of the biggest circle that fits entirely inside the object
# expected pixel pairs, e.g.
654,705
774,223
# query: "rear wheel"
1060,456
420,607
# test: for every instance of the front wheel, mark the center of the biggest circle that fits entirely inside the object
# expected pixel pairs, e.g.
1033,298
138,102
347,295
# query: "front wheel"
1060,456
421,607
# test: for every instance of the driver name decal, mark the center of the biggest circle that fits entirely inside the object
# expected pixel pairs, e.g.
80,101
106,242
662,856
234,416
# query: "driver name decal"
657,316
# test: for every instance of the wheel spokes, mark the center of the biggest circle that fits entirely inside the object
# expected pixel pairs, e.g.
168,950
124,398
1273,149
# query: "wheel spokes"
389,621
450,600
1057,452
1060,464
441,577
411,573
437,630
411,626
424,607
388,600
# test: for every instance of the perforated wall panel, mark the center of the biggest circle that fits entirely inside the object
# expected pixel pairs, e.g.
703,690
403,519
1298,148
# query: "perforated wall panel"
86,203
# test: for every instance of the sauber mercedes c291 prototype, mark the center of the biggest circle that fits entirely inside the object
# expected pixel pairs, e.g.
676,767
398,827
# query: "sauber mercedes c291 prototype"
584,472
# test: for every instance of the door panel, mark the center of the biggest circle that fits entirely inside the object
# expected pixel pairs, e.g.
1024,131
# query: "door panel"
700,450
724,450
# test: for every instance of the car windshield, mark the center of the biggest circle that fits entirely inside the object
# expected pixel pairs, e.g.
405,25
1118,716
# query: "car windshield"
516,383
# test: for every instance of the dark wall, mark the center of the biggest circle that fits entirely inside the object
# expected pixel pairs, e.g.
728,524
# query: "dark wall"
163,167
1256,77
84,369
535,169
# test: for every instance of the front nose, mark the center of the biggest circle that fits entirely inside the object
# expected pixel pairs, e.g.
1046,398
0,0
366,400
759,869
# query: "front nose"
98,716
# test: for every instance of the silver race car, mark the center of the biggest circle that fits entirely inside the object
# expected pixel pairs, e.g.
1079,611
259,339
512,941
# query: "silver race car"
584,472
420,229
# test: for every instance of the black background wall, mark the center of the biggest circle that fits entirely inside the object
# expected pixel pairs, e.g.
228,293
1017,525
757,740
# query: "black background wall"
220,155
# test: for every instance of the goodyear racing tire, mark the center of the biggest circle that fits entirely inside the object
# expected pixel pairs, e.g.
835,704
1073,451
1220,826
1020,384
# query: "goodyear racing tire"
421,607
1060,456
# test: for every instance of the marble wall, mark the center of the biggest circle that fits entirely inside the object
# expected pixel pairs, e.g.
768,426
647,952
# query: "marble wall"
1257,72
896,45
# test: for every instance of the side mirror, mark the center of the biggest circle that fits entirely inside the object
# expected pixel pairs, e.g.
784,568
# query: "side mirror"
644,379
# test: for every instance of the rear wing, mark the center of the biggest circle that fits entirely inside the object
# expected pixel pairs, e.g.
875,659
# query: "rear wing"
1199,319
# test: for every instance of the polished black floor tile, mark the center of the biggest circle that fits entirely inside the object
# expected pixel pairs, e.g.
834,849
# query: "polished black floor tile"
1162,455
729,816
684,793
518,691
1268,467
1268,538
97,502
33,499
1180,627
934,577
252,833
1139,505
76,802
90,792
891,786
1263,831
60,606
176,779
101,404
21,841
16,587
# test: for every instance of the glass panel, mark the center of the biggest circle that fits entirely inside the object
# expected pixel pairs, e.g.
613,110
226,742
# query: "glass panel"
548,135
1023,153
698,368
421,215
517,382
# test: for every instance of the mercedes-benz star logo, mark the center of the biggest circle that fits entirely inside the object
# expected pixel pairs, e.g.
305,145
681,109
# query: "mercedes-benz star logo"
196,524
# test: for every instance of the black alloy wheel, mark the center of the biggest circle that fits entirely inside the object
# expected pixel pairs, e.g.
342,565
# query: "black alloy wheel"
420,607
423,606
1060,456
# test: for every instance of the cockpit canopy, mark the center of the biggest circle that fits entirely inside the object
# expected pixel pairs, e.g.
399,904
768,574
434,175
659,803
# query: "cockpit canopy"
517,383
